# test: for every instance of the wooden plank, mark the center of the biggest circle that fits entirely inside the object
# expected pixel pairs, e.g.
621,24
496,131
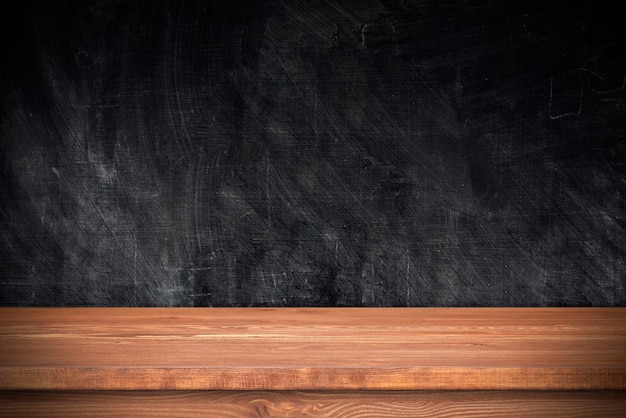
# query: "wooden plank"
313,348
313,404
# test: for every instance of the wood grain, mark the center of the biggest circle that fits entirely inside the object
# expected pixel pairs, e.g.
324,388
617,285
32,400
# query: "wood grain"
312,349
312,404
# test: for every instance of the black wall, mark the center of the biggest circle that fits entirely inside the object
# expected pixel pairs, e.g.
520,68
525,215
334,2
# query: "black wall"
291,153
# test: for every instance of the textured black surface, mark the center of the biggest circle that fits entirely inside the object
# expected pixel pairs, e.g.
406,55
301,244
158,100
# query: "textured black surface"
293,153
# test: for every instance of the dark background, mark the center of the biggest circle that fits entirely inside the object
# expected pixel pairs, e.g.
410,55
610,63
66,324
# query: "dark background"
324,153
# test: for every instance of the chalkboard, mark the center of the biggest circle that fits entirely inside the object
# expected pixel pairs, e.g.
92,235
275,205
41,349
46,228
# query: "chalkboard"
321,153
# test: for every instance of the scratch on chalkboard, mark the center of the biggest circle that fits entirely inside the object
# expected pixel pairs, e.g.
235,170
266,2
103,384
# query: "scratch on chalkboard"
267,192
407,279
565,99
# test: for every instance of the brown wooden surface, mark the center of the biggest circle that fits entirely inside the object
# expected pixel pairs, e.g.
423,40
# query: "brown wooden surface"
313,349
226,404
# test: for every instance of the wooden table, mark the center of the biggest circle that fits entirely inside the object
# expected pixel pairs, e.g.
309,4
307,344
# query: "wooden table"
313,361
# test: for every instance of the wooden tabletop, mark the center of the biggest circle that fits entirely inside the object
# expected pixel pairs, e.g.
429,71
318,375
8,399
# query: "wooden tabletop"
313,348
